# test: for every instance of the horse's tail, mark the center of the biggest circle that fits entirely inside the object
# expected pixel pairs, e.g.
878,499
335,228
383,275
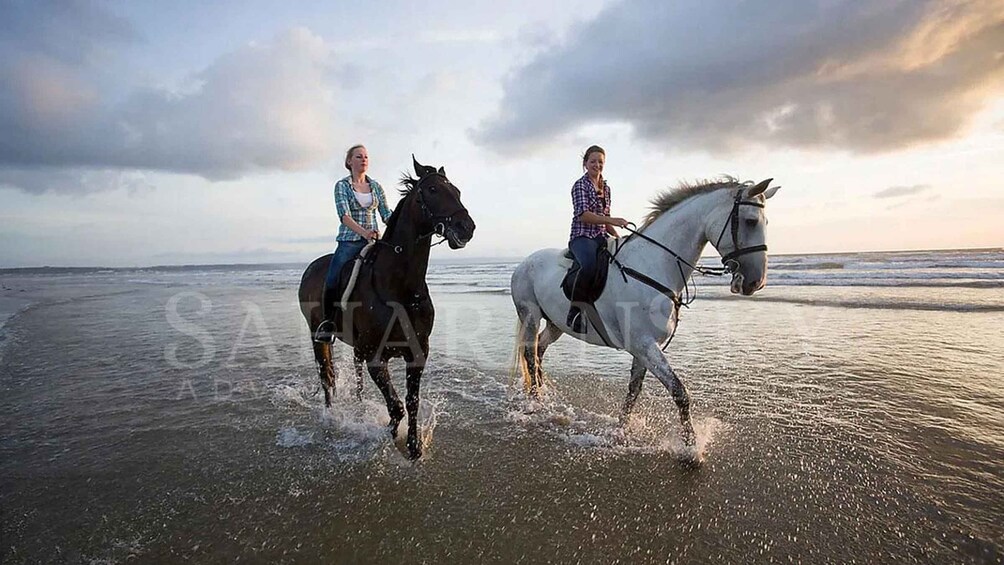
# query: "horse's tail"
518,371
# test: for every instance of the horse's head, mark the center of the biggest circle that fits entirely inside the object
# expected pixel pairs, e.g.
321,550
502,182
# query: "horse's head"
442,211
741,241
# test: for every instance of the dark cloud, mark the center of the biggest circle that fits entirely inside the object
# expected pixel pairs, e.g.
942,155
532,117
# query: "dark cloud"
896,191
859,76
261,107
73,31
73,180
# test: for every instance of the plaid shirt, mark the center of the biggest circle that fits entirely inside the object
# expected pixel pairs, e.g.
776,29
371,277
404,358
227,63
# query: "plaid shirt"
346,203
585,199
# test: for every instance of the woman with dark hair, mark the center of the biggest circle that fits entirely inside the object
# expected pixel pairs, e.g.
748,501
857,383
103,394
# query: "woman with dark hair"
591,221
358,198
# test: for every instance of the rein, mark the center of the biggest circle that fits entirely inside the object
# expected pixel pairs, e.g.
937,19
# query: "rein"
442,220
729,264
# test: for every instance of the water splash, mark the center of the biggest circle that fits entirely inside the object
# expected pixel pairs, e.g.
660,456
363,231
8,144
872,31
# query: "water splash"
291,437
354,429
586,429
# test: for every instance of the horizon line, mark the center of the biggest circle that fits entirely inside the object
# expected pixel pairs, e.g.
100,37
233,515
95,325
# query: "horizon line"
434,261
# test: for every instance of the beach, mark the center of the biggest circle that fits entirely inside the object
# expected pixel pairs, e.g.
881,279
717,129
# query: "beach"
852,411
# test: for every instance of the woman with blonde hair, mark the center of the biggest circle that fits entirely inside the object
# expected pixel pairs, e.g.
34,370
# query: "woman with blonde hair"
358,199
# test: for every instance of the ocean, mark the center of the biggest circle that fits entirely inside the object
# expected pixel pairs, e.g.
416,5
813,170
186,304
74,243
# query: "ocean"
852,411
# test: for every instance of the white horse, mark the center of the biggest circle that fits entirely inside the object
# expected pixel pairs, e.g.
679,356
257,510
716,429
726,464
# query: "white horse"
640,315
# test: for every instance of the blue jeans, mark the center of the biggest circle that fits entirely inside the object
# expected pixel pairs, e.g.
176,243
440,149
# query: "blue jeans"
584,249
345,252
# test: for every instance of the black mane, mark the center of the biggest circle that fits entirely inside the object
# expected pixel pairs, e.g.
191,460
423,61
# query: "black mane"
408,184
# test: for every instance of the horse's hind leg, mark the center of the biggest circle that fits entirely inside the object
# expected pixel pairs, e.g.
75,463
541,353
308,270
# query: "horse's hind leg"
548,335
634,388
325,370
545,338
529,322
380,376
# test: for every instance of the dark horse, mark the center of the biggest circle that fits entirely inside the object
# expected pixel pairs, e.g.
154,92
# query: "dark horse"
389,313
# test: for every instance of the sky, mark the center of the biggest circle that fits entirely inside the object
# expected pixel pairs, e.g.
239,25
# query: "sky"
153,133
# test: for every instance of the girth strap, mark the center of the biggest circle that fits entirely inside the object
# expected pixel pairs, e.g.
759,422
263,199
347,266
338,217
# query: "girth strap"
647,280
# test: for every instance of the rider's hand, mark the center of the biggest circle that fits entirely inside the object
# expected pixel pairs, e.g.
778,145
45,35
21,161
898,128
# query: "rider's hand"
619,222
374,235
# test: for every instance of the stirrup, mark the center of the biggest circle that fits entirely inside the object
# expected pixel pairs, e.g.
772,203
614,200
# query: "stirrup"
325,332
576,321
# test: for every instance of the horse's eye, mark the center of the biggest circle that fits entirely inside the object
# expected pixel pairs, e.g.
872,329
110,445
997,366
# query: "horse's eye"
751,222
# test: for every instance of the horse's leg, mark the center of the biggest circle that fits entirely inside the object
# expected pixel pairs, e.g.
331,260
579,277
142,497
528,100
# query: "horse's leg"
414,372
656,362
380,376
634,388
547,336
357,363
325,370
529,323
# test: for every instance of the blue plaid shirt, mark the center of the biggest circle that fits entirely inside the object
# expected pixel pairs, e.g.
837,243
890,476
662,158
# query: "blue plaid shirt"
585,199
346,203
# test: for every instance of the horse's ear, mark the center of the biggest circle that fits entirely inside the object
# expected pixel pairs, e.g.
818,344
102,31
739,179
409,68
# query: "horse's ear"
770,191
442,171
420,169
758,188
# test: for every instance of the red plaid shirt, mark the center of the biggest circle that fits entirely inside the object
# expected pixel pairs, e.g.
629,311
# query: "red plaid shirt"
585,199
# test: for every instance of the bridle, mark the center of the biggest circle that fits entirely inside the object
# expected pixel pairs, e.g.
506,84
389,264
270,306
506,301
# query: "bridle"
728,260
441,221
730,265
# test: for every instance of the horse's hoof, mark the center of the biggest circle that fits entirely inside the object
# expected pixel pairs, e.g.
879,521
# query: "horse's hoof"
414,451
691,457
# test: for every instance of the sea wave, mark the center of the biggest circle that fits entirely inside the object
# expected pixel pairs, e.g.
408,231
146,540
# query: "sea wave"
872,304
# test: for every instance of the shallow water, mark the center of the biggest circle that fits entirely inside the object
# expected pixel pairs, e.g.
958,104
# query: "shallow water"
177,416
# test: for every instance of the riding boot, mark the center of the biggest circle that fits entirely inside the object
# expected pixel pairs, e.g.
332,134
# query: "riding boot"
575,320
325,332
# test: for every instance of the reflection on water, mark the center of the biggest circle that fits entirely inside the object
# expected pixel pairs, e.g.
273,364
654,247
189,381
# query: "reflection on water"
830,434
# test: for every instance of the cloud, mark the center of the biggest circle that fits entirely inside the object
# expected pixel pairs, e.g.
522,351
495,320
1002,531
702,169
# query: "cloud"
857,76
73,31
264,106
896,191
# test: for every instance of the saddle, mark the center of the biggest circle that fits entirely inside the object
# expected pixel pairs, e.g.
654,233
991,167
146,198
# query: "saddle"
581,289
583,292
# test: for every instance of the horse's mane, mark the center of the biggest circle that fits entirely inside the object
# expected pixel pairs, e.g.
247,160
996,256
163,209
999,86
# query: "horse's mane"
669,198
408,184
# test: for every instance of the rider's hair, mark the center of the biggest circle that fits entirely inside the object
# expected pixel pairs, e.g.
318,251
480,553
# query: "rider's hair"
348,154
592,149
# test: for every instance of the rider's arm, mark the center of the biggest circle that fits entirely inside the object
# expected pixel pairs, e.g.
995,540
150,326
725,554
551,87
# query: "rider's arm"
354,226
590,217
382,207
